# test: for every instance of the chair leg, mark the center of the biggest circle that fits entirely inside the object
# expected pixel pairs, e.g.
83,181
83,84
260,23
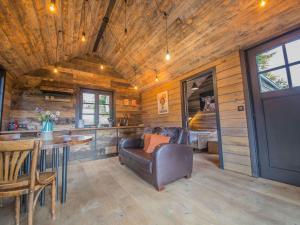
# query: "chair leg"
30,208
17,208
53,198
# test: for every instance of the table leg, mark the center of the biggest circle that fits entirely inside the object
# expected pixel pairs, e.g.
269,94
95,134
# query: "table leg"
42,168
64,174
55,167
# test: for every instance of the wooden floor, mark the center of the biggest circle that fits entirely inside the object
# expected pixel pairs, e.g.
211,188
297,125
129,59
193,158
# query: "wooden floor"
104,192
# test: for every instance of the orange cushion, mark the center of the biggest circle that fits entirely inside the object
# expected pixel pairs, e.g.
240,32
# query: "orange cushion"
156,140
146,140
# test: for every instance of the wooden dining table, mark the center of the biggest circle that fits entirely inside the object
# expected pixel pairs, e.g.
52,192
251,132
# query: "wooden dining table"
63,142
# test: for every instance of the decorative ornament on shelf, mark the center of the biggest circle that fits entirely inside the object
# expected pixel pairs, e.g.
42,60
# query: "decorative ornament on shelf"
47,119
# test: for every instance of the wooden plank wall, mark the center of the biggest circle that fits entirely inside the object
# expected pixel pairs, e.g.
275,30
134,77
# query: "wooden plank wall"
27,95
7,100
234,133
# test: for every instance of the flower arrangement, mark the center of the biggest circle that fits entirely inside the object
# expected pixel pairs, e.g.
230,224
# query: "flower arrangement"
47,115
47,119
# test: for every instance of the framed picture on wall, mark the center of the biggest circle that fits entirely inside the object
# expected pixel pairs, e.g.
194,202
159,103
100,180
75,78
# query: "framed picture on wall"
163,102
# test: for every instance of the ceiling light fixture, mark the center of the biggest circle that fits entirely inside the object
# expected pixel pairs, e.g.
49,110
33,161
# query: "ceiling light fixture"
52,6
195,87
168,56
55,70
156,76
102,67
83,36
262,3
135,76
83,39
125,19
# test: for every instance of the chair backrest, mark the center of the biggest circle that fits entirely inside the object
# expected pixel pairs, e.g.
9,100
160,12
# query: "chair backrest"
12,157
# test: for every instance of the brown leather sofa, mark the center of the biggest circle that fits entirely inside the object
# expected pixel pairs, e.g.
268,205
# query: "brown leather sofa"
168,162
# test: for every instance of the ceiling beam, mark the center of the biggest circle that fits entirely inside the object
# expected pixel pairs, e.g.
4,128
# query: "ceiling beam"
104,23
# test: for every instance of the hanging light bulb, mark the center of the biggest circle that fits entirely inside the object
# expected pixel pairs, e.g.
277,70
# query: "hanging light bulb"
125,19
135,87
55,70
262,3
83,39
52,7
102,67
156,76
168,56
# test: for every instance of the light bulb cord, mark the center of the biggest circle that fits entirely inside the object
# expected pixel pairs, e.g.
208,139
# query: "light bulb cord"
125,15
167,41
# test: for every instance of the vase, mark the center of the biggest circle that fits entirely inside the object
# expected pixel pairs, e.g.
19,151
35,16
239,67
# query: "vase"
47,130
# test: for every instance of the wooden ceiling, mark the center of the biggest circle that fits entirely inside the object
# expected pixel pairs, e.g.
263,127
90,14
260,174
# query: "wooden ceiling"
199,31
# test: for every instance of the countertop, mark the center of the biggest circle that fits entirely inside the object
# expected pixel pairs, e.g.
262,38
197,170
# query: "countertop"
69,129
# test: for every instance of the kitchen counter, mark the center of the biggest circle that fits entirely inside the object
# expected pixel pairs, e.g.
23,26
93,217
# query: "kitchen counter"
70,129
105,140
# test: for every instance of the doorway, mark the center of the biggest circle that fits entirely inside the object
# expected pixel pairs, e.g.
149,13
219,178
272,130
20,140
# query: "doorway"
201,115
274,75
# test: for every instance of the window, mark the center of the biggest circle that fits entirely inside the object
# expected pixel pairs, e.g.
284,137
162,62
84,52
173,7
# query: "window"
279,68
96,107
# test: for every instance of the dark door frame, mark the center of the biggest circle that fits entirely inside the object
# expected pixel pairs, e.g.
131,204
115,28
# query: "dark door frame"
249,100
183,105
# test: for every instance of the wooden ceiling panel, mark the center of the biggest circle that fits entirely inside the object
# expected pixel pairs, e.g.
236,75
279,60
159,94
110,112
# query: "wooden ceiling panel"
199,31
28,31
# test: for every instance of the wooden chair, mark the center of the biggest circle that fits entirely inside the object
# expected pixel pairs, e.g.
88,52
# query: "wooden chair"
12,184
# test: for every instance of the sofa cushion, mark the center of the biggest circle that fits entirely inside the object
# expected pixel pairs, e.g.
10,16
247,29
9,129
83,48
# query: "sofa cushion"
156,140
147,138
139,158
172,132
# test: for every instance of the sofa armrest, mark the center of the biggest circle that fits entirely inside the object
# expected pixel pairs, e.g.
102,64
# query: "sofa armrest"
131,143
171,162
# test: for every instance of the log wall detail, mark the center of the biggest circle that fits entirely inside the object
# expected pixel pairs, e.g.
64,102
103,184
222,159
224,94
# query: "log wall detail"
30,92
235,143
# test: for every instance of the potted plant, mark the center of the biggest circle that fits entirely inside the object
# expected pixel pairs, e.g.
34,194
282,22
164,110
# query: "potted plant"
47,119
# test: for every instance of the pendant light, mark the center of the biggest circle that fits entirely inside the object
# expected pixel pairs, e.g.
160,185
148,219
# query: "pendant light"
156,76
195,87
101,53
125,15
83,36
55,70
262,3
135,76
52,6
168,56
